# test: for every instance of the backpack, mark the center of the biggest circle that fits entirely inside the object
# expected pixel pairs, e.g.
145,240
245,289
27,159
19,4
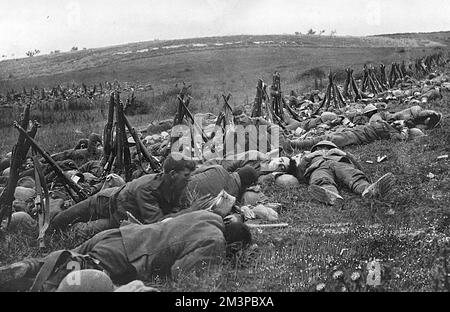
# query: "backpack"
57,265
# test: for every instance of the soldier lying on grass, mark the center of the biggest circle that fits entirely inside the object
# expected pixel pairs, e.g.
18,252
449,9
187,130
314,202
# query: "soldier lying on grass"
215,178
414,116
264,131
191,241
263,163
149,198
326,166
379,130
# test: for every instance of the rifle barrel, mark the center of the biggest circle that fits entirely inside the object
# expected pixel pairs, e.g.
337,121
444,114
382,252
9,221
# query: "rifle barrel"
188,113
154,163
52,163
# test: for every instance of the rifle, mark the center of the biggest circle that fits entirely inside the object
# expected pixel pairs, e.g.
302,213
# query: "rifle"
154,163
7,195
118,165
25,147
139,154
391,76
290,110
280,123
189,115
220,121
256,111
383,78
108,145
123,139
371,82
364,79
110,160
377,81
327,98
397,71
275,116
42,200
277,107
227,106
339,96
354,87
82,193
403,68
345,93
226,98
181,104
31,133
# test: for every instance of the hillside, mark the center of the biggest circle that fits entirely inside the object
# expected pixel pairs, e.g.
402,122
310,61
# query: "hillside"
442,37
77,61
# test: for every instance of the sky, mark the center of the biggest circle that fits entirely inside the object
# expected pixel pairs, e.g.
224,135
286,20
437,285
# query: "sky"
50,25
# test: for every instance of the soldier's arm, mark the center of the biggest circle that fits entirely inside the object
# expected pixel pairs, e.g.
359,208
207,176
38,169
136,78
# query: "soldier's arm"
204,254
399,136
354,161
304,163
398,131
233,166
149,209
294,124
201,203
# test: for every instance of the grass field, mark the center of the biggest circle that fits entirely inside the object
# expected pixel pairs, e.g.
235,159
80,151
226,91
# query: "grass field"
408,232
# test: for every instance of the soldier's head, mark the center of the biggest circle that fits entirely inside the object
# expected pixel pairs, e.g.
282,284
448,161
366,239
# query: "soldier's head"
296,159
278,164
323,145
177,170
369,110
248,176
88,280
95,139
237,234
240,117
398,124
28,163
67,164
113,180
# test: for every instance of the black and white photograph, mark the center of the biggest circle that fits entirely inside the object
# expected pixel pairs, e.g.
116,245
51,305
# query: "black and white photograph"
221,152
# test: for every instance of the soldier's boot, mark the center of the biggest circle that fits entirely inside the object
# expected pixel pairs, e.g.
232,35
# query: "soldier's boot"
382,187
437,121
302,145
325,196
